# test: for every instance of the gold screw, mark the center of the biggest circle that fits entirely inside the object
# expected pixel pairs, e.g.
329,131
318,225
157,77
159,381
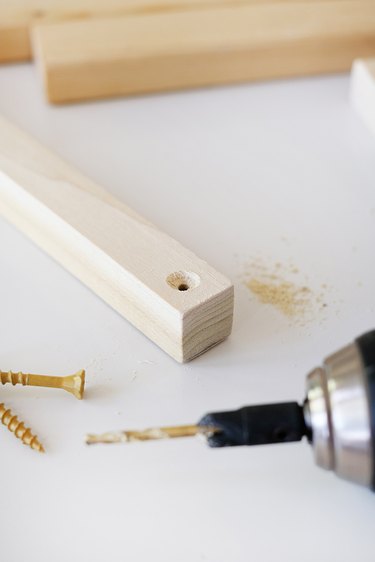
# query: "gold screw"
75,384
18,428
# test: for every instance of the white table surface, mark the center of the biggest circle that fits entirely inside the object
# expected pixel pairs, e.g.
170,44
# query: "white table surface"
284,171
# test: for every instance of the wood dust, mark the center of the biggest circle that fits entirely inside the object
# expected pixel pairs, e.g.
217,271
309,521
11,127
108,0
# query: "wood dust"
287,297
277,285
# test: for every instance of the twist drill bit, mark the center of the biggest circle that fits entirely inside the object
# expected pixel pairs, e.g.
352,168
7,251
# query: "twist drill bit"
251,425
75,384
18,428
151,433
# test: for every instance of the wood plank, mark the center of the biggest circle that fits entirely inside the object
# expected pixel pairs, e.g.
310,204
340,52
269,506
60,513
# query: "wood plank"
18,16
173,297
14,42
362,91
148,53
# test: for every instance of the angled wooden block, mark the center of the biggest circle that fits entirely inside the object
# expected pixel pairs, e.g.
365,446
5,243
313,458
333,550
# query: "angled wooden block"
166,51
176,299
362,91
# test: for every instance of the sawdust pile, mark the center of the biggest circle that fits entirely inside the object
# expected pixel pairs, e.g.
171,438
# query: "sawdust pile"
277,285
290,299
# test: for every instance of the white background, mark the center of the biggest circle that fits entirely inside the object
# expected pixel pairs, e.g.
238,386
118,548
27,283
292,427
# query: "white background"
284,171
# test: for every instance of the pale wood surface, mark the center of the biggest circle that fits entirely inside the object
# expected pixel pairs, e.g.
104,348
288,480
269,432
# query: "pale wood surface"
362,91
113,250
18,16
140,54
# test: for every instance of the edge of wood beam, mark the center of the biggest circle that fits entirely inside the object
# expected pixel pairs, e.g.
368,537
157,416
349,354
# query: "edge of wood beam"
362,91
18,17
171,51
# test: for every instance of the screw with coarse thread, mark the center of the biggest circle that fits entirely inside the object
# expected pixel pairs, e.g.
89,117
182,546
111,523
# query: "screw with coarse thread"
18,428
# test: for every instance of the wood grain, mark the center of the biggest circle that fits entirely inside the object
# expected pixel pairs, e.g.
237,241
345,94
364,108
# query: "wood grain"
362,91
148,53
173,297
17,17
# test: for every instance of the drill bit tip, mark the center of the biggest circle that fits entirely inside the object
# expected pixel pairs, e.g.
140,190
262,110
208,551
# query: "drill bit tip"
151,434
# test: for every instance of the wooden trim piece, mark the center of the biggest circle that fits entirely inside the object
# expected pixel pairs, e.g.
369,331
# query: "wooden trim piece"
14,42
127,261
18,16
362,91
148,53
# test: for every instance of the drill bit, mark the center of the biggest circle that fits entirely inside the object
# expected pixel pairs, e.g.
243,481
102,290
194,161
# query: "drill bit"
18,428
150,434
75,384
251,425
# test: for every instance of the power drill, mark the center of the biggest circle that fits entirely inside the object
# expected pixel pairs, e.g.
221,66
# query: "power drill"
337,417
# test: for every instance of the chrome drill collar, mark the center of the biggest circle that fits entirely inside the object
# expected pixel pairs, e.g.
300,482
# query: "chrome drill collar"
337,412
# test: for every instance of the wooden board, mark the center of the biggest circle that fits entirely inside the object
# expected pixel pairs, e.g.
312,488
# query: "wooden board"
175,298
18,16
148,53
362,91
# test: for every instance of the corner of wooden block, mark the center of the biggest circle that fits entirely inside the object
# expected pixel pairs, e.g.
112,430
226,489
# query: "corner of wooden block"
207,324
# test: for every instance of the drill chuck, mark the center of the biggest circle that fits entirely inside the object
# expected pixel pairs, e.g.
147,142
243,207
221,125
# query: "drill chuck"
337,416
340,411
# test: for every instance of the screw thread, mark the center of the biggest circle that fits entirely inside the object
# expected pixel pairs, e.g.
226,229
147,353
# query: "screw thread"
13,378
18,428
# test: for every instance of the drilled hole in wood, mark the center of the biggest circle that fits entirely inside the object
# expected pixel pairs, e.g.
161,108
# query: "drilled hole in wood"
183,280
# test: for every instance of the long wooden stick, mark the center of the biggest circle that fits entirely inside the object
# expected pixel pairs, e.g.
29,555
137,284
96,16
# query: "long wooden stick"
173,297
18,16
148,53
